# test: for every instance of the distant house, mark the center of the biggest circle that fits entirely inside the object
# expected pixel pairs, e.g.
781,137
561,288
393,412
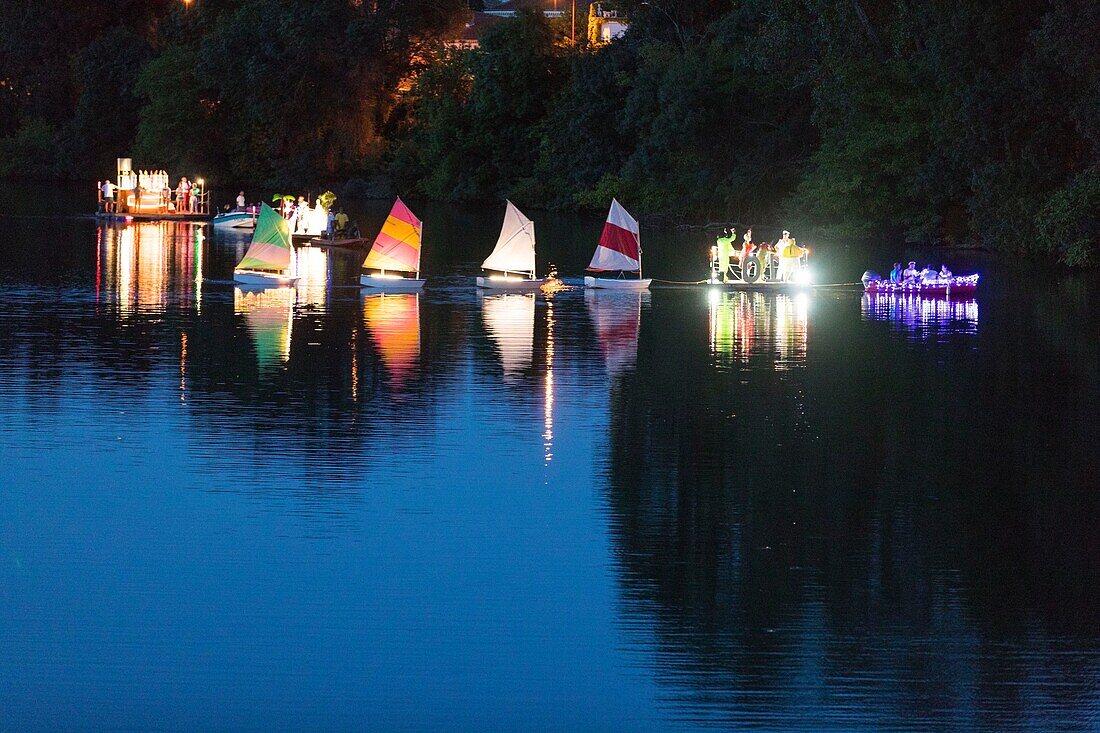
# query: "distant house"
549,8
604,26
469,37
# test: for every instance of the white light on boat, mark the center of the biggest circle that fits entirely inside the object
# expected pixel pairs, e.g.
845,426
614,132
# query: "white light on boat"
506,278
387,276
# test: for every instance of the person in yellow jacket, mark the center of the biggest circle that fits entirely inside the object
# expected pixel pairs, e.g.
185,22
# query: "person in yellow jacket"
725,252
789,255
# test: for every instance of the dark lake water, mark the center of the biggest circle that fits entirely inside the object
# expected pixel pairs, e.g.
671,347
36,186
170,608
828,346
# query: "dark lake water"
315,509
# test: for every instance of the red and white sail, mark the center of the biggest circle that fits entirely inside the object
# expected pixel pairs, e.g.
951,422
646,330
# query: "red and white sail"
620,246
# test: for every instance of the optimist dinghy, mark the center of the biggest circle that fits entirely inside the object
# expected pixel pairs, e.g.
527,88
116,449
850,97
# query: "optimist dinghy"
395,253
514,256
619,250
269,259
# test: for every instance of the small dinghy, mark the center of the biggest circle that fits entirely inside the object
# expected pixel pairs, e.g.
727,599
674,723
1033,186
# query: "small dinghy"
396,250
513,256
955,285
240,219
619,250
269,259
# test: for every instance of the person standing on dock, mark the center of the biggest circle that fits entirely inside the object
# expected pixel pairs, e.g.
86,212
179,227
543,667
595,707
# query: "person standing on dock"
109,196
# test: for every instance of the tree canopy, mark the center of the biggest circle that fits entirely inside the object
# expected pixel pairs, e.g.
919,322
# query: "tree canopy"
962,122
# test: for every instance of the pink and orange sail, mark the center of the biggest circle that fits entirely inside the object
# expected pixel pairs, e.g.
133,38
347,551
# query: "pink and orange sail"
620,247
397,246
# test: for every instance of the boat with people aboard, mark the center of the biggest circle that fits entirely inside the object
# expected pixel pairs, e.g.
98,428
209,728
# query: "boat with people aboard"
758,265
148,195
925,281
395,253
620,251
513,258
269,261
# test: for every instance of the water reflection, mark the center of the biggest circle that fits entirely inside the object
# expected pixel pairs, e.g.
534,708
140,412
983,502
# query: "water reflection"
138,264
269,315
922,315
744,325
509,320
617,319
393,321
749,529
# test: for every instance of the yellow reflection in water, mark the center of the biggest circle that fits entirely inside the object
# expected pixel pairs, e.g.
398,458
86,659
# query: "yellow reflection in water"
393,320
744,325
269,316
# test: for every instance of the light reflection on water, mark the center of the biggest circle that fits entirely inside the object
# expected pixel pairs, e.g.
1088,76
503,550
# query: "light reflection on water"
313,507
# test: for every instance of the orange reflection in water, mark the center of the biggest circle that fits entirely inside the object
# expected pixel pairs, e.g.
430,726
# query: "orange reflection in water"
393,320
144,266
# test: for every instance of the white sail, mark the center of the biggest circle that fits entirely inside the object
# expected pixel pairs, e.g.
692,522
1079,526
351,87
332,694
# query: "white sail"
515,250
510,321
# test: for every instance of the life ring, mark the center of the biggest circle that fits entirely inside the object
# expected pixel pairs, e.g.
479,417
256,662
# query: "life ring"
750,269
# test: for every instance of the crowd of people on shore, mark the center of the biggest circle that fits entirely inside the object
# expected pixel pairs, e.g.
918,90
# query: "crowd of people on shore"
149,192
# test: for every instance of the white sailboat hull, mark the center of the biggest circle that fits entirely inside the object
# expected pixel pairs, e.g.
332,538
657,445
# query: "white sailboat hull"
608,283
510,284
391,284
256,278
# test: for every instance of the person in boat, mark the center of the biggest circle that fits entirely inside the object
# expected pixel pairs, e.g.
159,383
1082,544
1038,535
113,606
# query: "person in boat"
353,230
196,198
341,223
790,256
945,274
330,225
747,248
911,273
929,274
301,216
725,252
240,201
895,274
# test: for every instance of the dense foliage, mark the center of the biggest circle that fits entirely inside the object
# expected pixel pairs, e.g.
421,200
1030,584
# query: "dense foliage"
959,121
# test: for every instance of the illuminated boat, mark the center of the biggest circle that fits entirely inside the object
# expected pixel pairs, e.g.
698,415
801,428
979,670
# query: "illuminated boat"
396,250
619,250
956,285
269,259
513,256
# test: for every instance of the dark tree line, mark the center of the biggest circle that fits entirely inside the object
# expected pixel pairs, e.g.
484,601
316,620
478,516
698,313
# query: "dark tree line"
962,121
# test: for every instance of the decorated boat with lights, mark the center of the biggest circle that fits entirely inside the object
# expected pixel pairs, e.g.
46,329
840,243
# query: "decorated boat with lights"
513,258
395,253
763,266
619,250
938,286
269,261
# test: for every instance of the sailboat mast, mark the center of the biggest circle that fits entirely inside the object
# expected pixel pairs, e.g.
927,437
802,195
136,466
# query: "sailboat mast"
420,250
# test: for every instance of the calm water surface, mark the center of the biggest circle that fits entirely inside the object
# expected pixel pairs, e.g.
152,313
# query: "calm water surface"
316,509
